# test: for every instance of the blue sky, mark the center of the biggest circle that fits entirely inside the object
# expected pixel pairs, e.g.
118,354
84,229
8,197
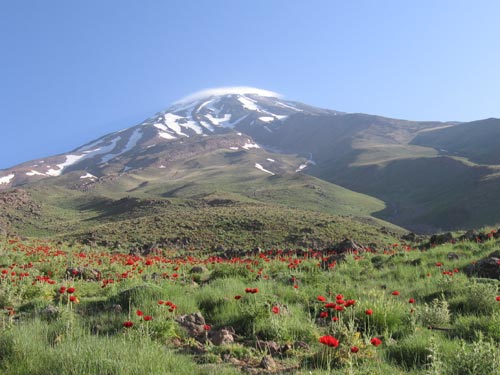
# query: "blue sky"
74,71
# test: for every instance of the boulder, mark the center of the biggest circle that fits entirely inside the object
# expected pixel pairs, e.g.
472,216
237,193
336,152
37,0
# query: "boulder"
439,239
488,268
221,337
194,324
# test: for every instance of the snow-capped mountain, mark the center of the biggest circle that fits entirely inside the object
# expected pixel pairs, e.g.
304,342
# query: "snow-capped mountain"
223,118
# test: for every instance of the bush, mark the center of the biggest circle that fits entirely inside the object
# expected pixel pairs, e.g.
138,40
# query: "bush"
479,358
435,314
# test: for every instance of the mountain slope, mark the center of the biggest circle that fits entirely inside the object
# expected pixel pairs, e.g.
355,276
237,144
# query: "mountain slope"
255,144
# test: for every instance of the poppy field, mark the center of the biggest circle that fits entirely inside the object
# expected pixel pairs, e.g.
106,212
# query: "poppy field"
75,309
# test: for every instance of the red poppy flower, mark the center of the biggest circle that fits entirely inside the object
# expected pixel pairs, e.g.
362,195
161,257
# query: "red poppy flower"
330,305
323,314
439,264
62,289
275,309
369,312
411,300
335,319
160,302
339,297
207,327
147,318
329,341
139,313
395,293
375,341
72,298
498,298
237,297
354,349
70,290
128,324
350,302
321,299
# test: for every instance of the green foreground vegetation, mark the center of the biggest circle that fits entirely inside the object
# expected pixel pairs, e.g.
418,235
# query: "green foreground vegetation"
123,315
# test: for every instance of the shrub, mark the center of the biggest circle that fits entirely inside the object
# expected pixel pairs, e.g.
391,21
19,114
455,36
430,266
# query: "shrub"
435,314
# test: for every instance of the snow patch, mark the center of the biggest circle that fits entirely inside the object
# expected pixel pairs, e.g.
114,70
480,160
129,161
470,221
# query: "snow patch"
271,160
248,146
166,135
7,179
266,119
234,148
34,173
88,175
258,166
301,167
219,121
70,160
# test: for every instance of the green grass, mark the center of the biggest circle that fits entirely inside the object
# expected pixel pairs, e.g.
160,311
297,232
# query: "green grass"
88,337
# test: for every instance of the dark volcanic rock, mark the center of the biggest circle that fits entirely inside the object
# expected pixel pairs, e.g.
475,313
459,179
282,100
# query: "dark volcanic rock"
439,239
487,268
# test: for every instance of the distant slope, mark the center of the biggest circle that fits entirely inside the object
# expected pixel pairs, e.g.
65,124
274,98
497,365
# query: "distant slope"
478,141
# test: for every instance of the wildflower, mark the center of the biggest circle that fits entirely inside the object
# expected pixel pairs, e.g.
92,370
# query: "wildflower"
62,289
296,286
128,324
207,327
275,309
411,300
237,297
160,302
354,349
139,313
73,298
439,264
147,318
350,302
323,314
375,341
395,293
70,290
498,298
369,312
335,319
329,341
321,299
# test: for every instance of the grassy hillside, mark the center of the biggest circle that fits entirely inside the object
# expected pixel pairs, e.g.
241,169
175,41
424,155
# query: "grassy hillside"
220,199
478,141
396,311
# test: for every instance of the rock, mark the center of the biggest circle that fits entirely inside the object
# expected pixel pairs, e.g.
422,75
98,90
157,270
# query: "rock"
192,323
84,273
50,312
347,245
271,347
495,254
221,337
453,256
302,345
268,363
470,235
439,239
411,237
198,269
488,268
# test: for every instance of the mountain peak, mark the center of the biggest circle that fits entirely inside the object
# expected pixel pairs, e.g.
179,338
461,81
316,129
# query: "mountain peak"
221,91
